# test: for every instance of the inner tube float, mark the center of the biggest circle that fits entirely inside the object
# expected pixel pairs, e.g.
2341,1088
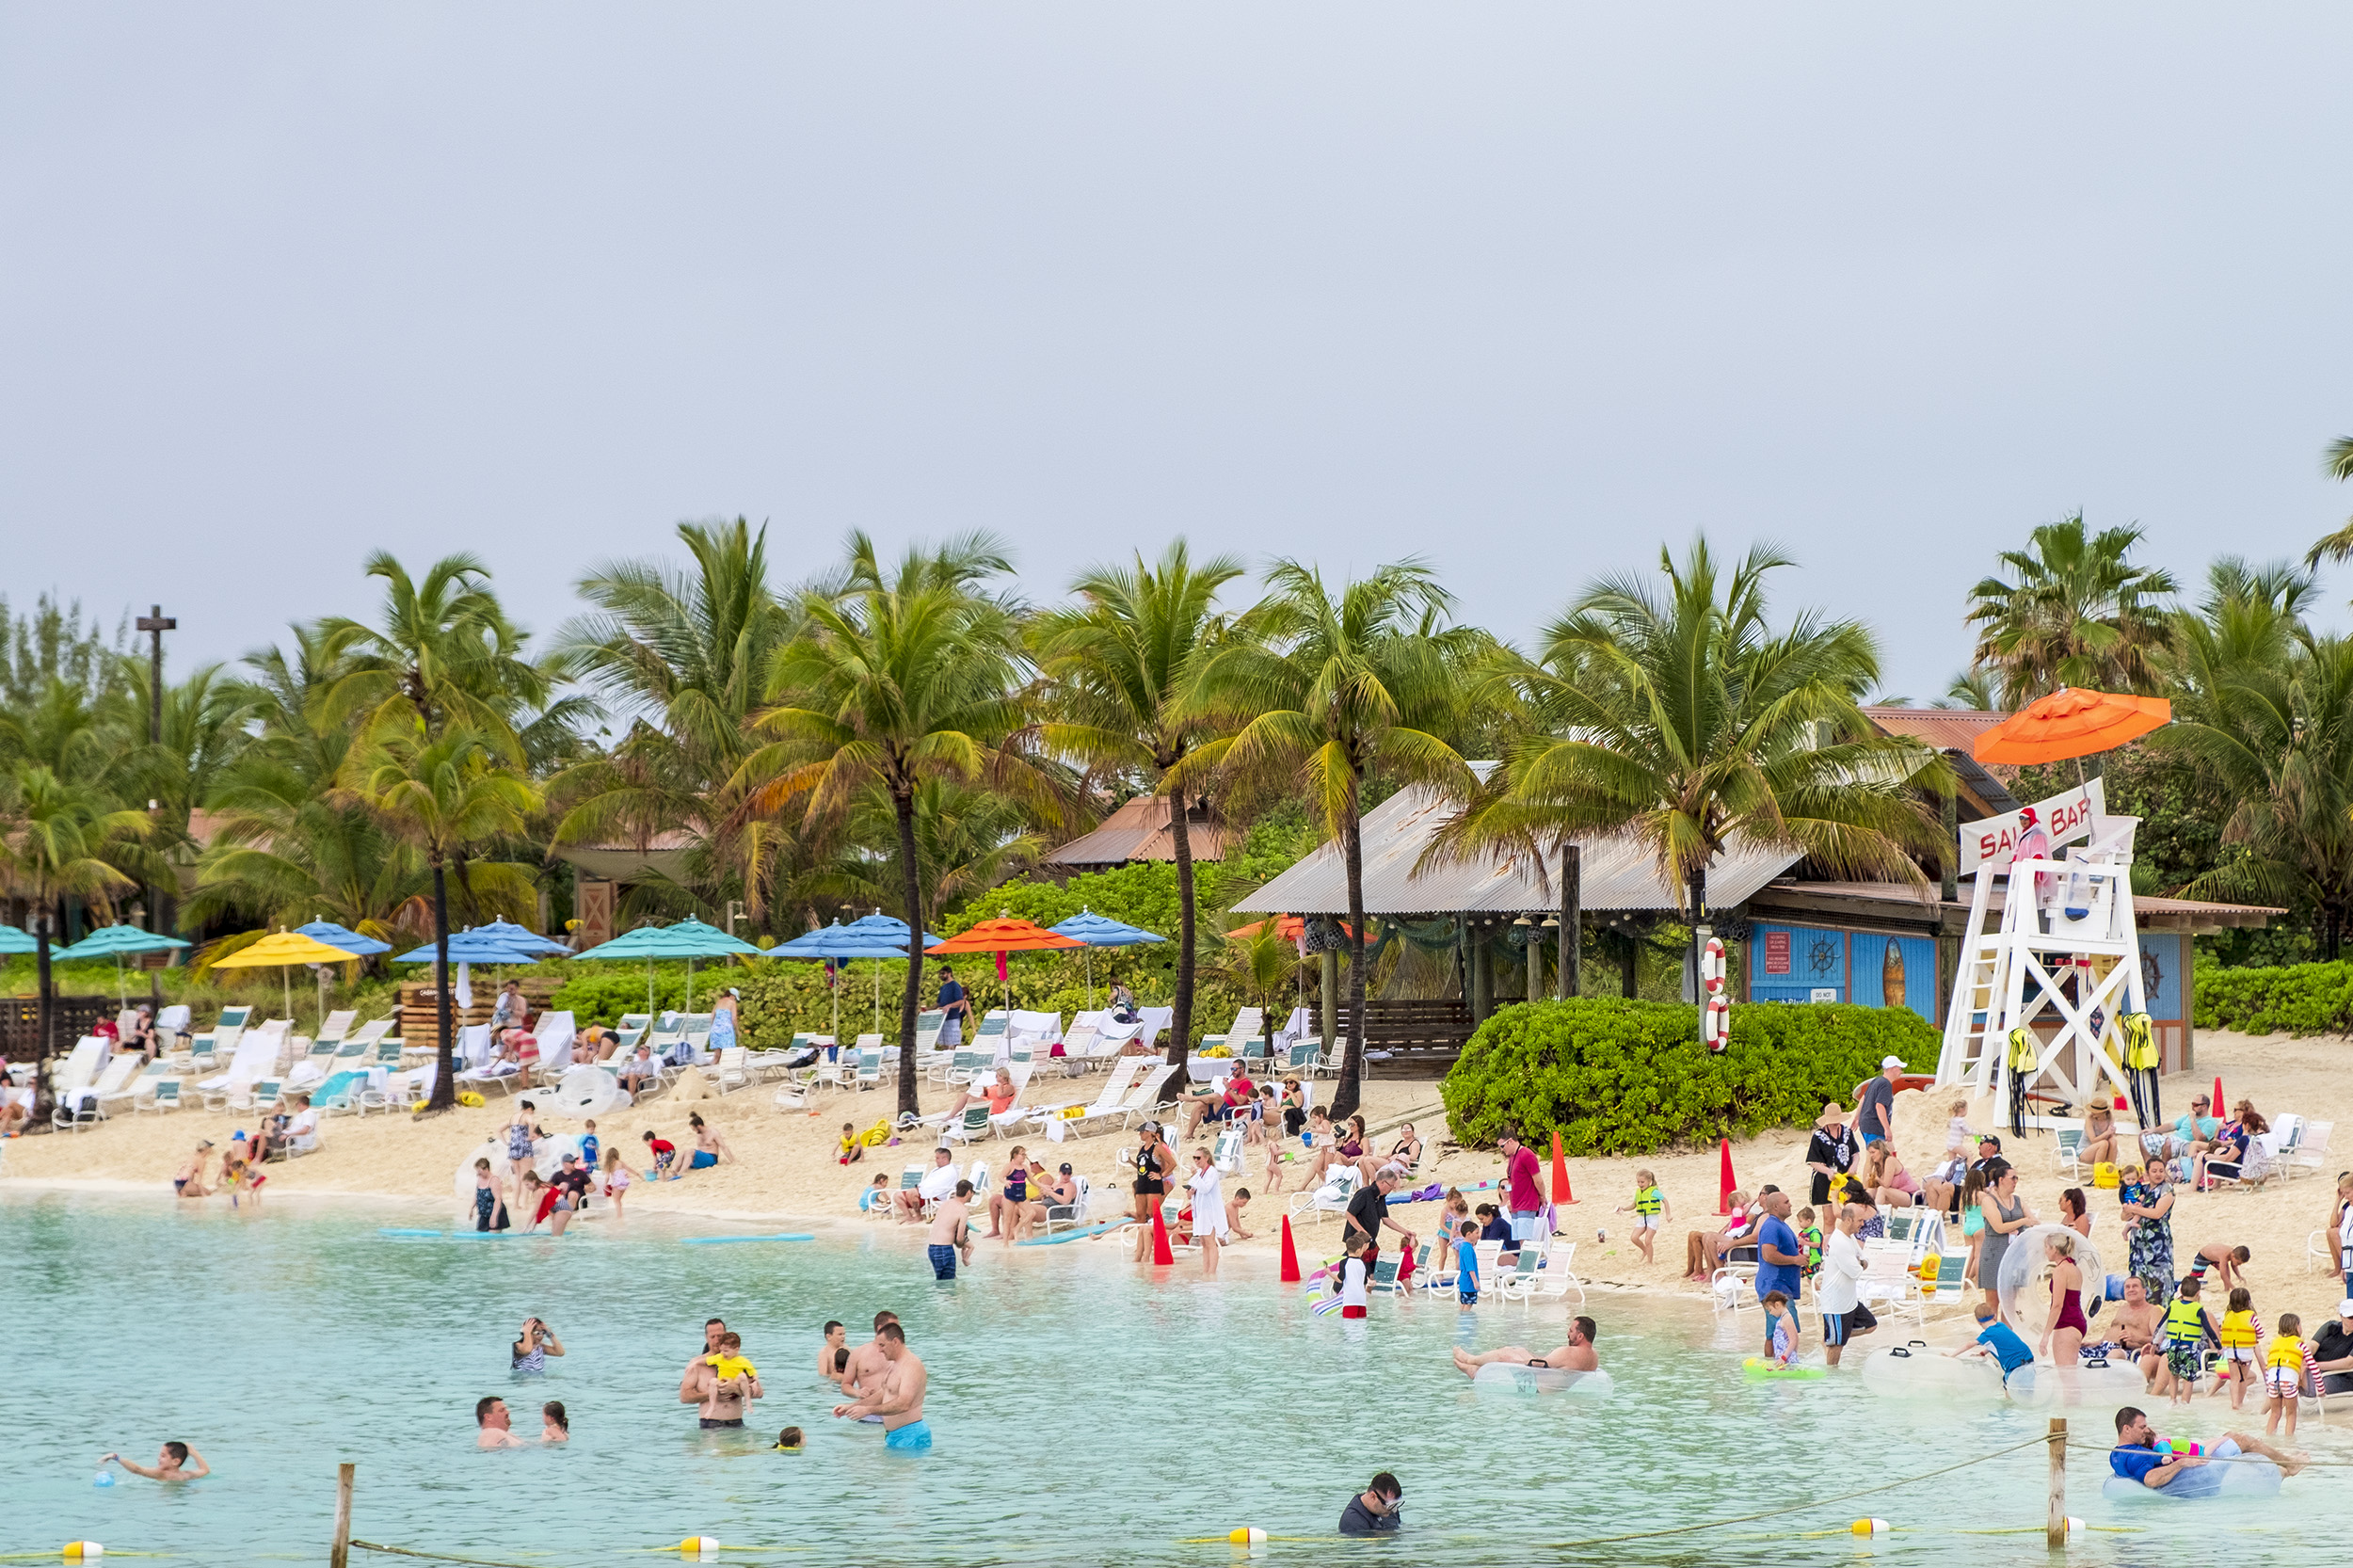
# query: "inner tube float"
1915,1371
2094,1386
1501,1377
2235,1478
1758,1368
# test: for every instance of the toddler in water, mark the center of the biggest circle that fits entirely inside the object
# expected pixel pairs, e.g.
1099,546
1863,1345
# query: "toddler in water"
1352,1296
1649,1208
1781,1329
1466,1262
554,1426
2283,1373
790,1439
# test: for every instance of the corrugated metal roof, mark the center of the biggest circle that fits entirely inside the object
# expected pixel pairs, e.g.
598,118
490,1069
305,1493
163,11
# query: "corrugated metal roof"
1946,729
1139,831
1614,874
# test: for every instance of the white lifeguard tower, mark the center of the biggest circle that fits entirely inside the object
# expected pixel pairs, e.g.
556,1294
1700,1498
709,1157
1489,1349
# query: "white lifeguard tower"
2064,926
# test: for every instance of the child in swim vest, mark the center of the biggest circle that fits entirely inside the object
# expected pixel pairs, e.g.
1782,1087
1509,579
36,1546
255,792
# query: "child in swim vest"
1649,1209
2186,1328
852,1147
2285,1363
1810,1232
727,1362
789,1440
2239,1333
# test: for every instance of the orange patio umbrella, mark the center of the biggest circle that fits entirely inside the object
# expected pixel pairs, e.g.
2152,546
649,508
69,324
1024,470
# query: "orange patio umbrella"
1290,927
2070,722
1002,935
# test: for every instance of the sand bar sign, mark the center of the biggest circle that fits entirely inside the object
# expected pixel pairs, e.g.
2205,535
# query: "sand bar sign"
2065,817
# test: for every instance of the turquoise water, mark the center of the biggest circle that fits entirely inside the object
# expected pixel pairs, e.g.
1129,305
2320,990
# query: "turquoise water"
1085,1411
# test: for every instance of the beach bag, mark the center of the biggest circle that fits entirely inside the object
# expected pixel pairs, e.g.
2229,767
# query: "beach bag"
2104,1175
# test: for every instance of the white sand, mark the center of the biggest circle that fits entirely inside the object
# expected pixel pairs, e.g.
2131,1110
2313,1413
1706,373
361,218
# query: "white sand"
785,1174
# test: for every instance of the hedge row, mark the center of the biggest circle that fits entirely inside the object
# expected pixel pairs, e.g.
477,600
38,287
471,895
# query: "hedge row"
2298,998
1616,1077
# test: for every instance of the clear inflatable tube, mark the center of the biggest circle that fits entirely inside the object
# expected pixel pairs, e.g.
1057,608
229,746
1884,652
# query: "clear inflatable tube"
2089,1387
1510,1377
1915,1371
2235,1478
2024,1262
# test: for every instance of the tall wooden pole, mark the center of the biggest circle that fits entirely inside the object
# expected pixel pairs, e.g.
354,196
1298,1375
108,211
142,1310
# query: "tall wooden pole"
340,1555
2055,1522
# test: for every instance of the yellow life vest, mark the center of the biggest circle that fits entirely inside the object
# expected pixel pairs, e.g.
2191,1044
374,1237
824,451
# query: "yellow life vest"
2140,1042
2025,1051
2184,1322
2286,1350
1650,1200
2238,1331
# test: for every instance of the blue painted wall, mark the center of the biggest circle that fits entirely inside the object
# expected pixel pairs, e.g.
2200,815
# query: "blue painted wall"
1852,963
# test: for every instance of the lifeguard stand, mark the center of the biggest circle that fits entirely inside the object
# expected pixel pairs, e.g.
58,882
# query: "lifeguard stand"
2059,920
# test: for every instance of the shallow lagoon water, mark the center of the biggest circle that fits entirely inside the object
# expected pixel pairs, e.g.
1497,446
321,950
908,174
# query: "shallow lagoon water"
1085,1411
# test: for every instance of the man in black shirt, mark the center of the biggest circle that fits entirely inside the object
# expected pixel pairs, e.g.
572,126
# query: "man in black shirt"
2332,1363
1369,1211
1373,1511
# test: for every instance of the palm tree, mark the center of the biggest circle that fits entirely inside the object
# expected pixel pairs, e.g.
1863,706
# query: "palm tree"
444,655
685,656
1324,690
206,727
1123,665
2262,730
2080,614
900,678
1972,689
1683,718
442,793
2337,463
60,838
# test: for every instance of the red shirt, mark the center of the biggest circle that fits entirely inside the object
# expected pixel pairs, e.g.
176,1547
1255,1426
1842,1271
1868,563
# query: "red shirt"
662,1145
1239,1091
1527,1178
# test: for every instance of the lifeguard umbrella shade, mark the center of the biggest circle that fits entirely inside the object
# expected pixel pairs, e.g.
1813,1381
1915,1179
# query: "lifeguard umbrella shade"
2070,722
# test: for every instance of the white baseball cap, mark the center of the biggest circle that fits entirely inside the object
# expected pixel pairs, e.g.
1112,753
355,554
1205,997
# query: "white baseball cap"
1887,1062
2345,1307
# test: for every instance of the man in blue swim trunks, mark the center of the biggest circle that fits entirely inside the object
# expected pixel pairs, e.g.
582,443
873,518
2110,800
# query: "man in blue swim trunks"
901,1401
2135,1458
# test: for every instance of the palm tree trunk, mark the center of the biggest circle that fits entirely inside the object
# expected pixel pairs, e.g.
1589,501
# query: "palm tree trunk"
1349,1090
444,1069
1699,914
1629,966
912,889
1180,841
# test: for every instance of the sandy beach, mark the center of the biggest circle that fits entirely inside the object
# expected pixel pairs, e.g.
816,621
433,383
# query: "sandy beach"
785,1172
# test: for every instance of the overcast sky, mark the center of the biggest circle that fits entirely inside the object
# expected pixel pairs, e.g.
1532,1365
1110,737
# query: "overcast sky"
1528,290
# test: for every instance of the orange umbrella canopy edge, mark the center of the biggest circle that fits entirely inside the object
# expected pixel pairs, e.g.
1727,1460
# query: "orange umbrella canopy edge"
2070,722
1005,936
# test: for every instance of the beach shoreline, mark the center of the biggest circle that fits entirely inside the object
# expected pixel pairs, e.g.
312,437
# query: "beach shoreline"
785,1175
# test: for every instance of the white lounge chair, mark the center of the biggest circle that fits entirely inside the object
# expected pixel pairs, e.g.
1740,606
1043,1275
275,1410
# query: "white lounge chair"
1056,1119
333,1029
80,1065
969,1127
1552,1279
86,1107
1339,1185
2312,1147
257,1055
165,1098
556,1032
137,1086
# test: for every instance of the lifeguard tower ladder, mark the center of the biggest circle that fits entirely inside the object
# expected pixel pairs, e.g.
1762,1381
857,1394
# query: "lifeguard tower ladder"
2060,920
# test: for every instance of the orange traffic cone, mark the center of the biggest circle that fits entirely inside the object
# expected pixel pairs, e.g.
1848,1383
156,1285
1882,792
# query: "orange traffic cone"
1290,1254
1560,1192
2219,1113
1723,1181
1160,1239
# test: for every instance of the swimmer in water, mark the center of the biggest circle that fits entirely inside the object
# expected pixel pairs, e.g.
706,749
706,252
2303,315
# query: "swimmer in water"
721,1399
789,1440
1575,1356
867,1371
178,1461
490,1416
554,1426
836,1340
900,1403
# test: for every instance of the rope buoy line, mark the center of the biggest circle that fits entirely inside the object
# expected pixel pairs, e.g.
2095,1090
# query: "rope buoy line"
436,1557
1798,1508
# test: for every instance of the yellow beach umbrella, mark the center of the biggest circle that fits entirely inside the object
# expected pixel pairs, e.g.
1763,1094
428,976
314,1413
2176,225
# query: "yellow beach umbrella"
284,950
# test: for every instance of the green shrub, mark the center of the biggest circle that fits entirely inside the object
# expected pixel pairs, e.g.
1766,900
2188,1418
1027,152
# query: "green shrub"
2297,999
1616,1077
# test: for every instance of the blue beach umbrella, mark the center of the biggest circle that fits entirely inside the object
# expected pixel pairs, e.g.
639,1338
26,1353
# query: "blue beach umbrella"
876,935
689,938
1101,931
13,941
114,942
522,937
345,937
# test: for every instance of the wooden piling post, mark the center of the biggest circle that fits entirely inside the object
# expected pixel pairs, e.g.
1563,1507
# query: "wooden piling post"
340,1556
2054,1526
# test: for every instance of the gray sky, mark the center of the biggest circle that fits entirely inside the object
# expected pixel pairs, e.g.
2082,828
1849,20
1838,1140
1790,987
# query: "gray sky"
1527,289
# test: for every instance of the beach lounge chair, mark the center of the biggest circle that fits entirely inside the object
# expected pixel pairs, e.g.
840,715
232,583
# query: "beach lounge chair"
969,1127
262,1096
1249,1023
334,1027
1330,1198
1226,1153
1150,1021
2311,1146
112,1086
1111,1041
82,1063
2070,1147
221,1039
1078,1041
341,1092
868,1069
315,1064
1069,1214
734,1070
165,1098
135,1087
1107,1102
172,1026
254,1057
927,1028
557,1032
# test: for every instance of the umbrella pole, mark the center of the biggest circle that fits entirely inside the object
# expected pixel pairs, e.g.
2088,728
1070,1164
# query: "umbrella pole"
1090,980
690,982
878,996
122,986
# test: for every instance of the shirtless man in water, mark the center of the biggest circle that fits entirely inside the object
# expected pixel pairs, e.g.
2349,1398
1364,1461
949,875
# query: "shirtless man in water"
900,1401
721,1399
1575,1356
869,1371
173,1464
489,1413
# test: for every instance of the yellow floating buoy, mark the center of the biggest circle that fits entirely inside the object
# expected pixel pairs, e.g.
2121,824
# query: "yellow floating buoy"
1870,1527
1247,1535
701,1545
84,1551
